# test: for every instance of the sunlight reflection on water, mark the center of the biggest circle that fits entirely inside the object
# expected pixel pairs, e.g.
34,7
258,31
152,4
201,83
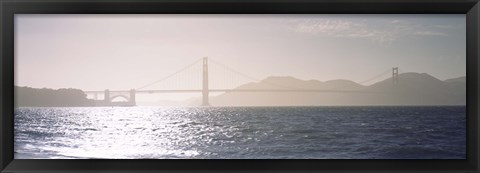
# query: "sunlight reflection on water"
228,132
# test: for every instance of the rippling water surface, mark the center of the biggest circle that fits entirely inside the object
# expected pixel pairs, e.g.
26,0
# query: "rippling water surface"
241,132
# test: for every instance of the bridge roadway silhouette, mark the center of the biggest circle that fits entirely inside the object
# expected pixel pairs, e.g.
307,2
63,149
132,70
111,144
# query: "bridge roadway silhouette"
131,102
108,96
237,90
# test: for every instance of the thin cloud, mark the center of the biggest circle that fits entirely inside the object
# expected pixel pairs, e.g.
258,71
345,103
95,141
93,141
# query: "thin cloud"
430,33
344,29
389,32
444,26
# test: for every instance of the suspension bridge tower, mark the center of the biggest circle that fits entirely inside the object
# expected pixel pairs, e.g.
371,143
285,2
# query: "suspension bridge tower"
395,76
205,83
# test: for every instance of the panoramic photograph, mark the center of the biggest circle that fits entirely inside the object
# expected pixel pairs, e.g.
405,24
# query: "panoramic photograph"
240,86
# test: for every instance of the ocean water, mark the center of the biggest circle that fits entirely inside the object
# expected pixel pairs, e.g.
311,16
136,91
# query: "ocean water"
241,132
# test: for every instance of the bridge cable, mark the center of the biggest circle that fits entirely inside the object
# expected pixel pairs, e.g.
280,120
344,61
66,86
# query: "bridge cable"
169,76
365,81
248,76
377,76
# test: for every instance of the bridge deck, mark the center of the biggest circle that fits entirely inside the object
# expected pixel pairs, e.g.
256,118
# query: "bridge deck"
240,90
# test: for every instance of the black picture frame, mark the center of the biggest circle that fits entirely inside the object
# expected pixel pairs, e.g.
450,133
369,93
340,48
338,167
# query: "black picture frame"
11,7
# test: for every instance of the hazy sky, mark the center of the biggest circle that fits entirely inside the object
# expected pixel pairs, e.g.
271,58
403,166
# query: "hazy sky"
96,52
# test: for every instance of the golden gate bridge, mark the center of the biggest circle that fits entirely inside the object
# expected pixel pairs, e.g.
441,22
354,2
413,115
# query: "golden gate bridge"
130,95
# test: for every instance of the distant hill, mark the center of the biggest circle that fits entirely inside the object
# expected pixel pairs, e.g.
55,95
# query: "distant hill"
420,89
412,89
458,79
45,97
458,84
287,82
